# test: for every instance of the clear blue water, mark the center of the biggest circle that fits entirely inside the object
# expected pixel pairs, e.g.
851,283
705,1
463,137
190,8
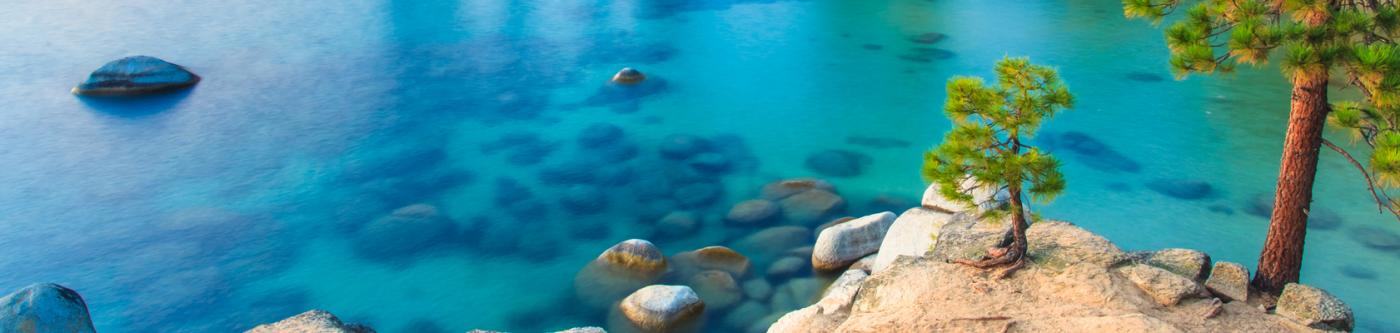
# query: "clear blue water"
237,202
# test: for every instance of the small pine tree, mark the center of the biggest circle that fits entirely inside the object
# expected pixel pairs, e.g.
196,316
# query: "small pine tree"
987,145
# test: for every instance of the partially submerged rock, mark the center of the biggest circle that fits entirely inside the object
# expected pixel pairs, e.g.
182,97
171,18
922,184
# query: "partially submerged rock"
42,308
314,321
138,75
620,270
912,234
1229,281
661,308
628,76
1315,308
827,313
844,243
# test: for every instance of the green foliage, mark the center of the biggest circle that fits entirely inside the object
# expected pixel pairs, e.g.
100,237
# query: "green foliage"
990,126
1313,37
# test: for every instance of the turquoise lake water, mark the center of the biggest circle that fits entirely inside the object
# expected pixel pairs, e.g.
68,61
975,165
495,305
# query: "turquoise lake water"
240,201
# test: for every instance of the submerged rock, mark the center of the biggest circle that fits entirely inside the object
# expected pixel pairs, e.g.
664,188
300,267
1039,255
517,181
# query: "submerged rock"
1184,189
844,243
928,38
584,199
598,135
136,75
757,289
403,232
682,146
788,187
717,288
700,194
314,321
677,224
787,267
912,234
1229,281
621,269
768,244
752,212
811,206
1315,308
744,315
628,76
44,308
795,294
661,308
711,258
1090,151
837,163
1376,238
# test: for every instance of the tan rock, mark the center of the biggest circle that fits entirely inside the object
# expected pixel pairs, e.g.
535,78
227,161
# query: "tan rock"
912,234
660,308
314,321
1315,308
1229,281
618,271
711,257
1165,287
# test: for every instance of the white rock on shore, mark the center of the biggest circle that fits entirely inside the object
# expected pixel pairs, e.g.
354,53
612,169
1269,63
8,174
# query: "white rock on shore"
912,234
844,243
314,321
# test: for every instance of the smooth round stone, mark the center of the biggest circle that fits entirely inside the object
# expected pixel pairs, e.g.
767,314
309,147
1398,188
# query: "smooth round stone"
752,212
710,162
698,194
768,244
584,199
757,289
837,163
138,75
598,135
813,206
744,315
628,75
661,308
682,146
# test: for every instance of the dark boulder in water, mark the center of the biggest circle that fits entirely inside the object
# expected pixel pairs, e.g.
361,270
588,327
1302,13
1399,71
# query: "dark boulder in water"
682,146
403,232
677,224
44,308
1319,218
509,191
928,38
567,174
598,135
837,163
617,153
1185,189
1376,238
531,153
710,162
872,47
1090,151
698,194
736,150
624,94
584,199
138,75
1358,272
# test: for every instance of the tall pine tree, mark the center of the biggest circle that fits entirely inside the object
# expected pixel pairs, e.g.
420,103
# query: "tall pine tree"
988,145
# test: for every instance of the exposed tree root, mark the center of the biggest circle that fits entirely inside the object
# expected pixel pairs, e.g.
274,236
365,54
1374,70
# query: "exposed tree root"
1009,258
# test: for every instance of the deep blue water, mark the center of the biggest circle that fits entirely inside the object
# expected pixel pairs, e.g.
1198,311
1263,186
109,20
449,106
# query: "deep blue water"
241,201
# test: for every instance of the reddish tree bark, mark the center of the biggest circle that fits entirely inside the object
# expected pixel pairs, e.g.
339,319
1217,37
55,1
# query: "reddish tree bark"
1282,257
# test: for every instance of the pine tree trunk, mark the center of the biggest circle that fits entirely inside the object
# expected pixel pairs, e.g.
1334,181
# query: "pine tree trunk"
1018,221
1282,257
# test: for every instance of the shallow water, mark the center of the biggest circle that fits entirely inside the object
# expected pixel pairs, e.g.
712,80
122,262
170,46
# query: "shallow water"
238,202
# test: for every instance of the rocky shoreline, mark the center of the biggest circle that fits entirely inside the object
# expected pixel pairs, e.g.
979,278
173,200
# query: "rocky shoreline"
886,272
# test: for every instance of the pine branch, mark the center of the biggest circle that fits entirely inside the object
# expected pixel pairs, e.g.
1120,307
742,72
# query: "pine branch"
1381,205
